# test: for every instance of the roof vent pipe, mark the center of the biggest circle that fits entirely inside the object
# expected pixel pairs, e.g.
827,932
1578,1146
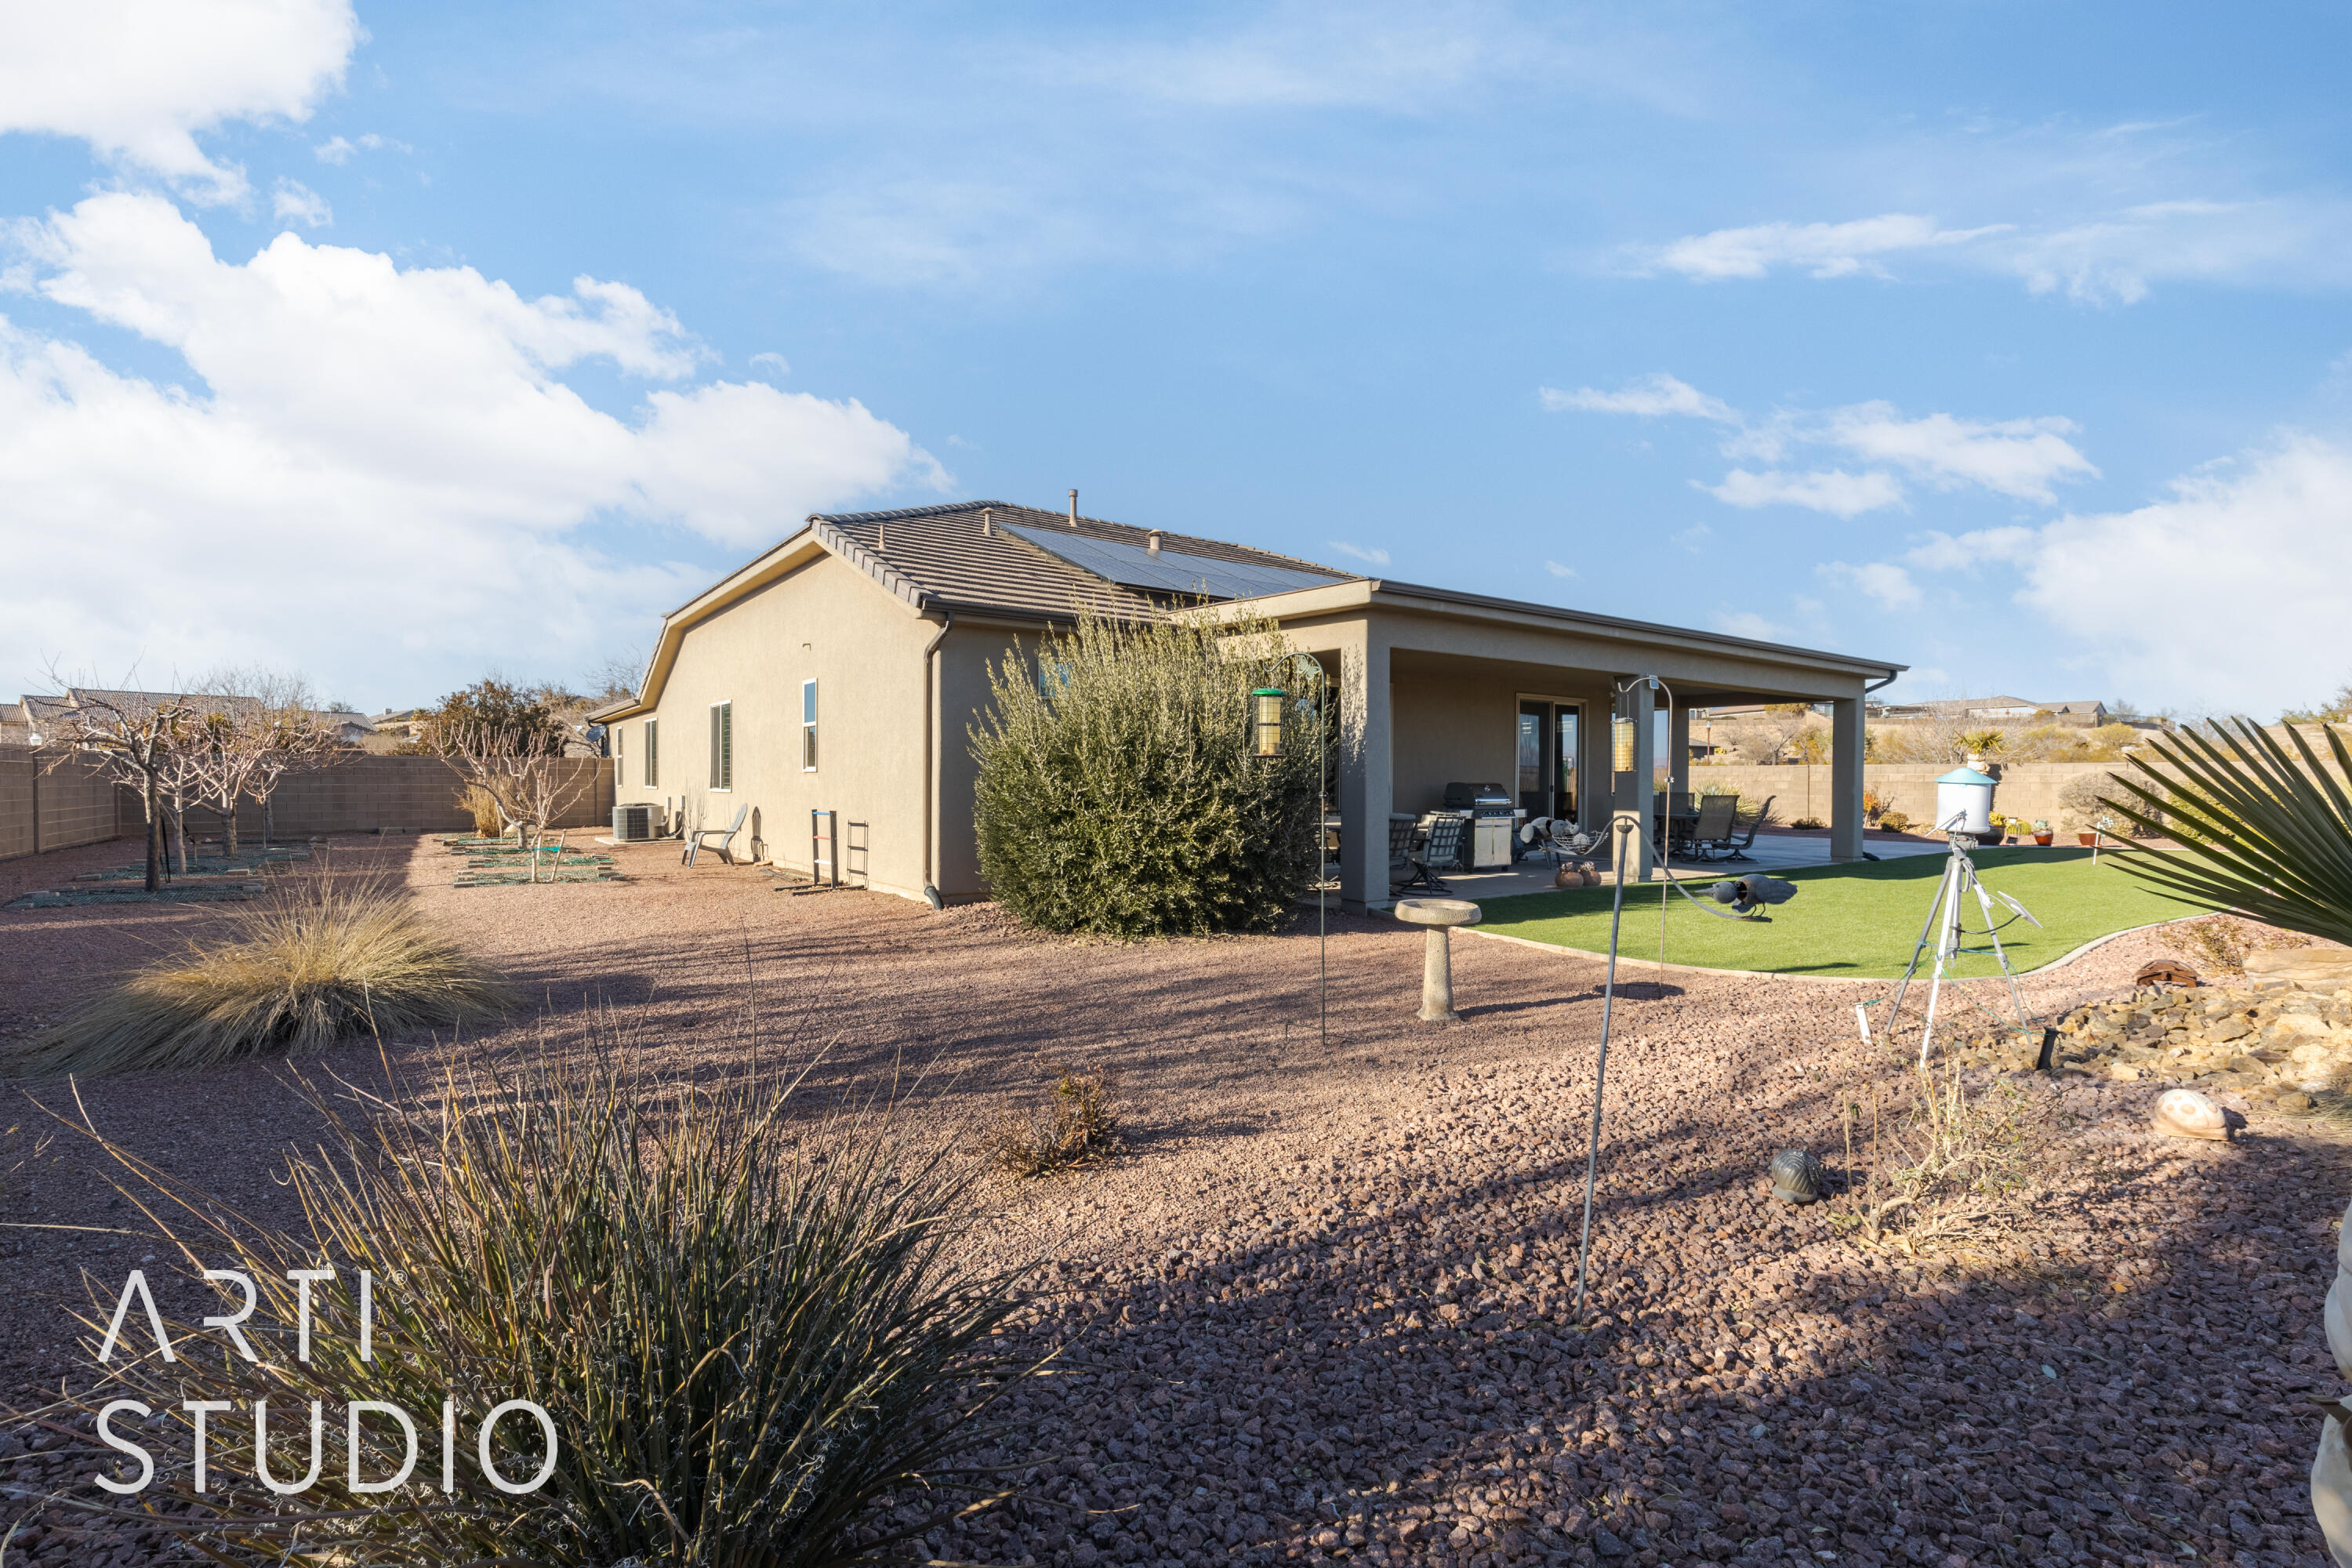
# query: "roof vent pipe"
1151,541
1073,508
987,522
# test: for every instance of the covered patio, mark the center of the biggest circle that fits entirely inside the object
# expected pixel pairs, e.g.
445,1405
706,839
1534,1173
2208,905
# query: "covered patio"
1436,687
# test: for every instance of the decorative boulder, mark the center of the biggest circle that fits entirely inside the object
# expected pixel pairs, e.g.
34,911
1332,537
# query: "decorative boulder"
2166,972
1798,1177
2313,968
2185,1113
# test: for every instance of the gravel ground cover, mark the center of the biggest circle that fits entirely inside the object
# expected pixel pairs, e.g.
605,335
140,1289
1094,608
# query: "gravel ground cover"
1858,920
1320,1308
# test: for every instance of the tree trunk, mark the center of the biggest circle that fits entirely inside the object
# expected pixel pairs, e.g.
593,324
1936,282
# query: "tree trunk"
265,822
179,839
228,831
155,837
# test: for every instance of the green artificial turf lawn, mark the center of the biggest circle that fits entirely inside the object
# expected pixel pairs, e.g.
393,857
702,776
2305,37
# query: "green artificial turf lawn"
1857,920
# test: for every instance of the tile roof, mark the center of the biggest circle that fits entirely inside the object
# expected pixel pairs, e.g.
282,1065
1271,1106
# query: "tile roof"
941,554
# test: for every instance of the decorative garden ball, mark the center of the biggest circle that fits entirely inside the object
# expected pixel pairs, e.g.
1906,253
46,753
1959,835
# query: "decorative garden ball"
2185,1113
1796,1177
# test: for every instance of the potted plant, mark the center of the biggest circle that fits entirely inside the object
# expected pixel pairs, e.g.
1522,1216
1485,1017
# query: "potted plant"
2042,834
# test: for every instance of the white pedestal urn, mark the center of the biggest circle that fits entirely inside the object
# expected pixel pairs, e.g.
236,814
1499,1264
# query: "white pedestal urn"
2331,1467
1441,916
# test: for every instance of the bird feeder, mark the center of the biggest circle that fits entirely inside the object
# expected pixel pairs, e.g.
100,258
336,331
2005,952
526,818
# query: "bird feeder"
1269,702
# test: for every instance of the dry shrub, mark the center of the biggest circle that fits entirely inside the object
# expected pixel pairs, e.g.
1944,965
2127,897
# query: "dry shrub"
2218,945
1077,1125
762,1337
1953,1167
483,807
317,962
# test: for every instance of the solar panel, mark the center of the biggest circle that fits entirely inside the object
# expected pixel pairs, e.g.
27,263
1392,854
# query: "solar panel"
1170,571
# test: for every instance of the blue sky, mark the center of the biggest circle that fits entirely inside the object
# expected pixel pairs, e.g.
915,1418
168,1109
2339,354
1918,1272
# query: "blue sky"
2007,342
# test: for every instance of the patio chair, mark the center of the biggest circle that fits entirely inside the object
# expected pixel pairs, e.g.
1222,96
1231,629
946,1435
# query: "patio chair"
1441,846
1712,833
717,838
1737,848
1401,829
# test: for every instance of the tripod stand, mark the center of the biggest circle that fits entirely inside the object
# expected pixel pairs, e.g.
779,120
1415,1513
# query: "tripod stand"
1944,924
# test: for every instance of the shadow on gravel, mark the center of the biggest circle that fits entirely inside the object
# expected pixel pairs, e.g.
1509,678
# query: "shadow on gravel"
2125,1383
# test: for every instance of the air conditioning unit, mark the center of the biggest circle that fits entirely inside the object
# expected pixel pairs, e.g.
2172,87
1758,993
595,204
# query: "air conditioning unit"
638,823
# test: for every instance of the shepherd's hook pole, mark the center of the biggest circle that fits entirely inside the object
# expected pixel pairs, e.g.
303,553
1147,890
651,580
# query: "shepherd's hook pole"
1601,1067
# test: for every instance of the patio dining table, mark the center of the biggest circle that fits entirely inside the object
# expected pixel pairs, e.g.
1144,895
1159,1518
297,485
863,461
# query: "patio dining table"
1672,830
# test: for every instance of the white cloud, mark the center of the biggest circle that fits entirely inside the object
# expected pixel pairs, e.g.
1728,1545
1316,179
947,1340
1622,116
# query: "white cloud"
1748,623
1832,490
773,362
1647,396
138,80
2230,596
1823,250
381,477
292,199
2110,257
339,150
1556,569
2015,457
2021,458
1977,547
1881,579
1370,556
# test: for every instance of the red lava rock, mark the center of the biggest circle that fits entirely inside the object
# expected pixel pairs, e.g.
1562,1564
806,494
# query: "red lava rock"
1322,1307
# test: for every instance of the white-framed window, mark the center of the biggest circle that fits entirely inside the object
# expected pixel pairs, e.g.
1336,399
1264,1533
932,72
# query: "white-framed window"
653,752
808,726
722,745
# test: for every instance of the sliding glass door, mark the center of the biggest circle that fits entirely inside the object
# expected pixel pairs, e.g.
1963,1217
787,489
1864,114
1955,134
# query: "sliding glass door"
1548,740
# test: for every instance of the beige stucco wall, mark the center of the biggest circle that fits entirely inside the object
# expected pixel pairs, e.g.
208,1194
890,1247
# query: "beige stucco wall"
824,621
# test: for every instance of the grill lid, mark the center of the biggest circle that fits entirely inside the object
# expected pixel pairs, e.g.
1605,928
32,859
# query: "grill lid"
1462,796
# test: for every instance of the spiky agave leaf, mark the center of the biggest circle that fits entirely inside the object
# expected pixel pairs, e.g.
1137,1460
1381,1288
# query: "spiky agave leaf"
2259,833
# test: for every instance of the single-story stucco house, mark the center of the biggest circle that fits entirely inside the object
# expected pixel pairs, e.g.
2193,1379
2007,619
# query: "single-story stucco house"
842,670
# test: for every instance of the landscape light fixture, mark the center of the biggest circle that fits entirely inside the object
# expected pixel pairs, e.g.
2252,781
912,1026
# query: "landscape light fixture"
1269,701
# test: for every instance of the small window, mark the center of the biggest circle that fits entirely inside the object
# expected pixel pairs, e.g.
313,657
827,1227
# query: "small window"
653,754
722,745
808,726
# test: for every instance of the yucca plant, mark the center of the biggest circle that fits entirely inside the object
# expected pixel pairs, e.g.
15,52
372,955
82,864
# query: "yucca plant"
760,1337
325,957
2260,831
1118,794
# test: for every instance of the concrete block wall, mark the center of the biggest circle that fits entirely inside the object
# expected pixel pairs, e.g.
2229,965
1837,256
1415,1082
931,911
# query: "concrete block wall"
75,802
69,801
2029,790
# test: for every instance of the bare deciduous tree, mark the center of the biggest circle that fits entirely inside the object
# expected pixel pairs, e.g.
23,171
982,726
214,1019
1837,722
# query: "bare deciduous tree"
520,766
134,736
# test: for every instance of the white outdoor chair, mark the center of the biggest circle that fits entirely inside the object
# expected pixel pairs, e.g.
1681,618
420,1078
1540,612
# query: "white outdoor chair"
717,838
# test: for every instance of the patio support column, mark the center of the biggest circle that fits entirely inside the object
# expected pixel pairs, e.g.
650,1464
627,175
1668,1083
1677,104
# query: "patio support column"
1678,758
1367,791
1632,792
1845,778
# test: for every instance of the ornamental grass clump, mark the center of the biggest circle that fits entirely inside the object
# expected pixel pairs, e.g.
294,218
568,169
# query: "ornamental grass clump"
324,958
760,1337
1118,794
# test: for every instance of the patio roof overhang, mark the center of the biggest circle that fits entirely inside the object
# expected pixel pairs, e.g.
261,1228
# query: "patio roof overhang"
1419,623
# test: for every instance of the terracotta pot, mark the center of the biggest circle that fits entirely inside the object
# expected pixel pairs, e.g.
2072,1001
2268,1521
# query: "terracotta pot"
2043,838
2086,839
